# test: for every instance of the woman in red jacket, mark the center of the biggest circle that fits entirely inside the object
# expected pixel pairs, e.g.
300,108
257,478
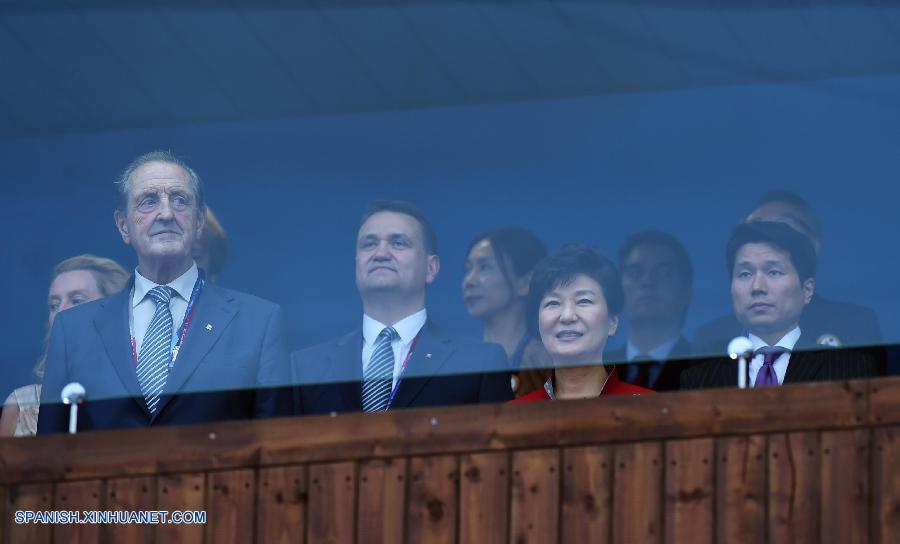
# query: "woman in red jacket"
574,301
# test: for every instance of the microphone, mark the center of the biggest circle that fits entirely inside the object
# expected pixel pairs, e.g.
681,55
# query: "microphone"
741,348
73,394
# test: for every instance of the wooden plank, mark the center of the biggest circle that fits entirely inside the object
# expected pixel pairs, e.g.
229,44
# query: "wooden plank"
741,489
180,492
332,503
432,431
884,395
129,494
230,506
281,504
78,496
433,491
794,487
689,490
382,500
637,489
587,494
534,507
845,486
4,512
30,497
886,485
484,497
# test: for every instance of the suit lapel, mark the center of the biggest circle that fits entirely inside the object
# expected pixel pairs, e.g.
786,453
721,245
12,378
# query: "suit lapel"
432,350
214,311
345,369
805,361
112,325
803,366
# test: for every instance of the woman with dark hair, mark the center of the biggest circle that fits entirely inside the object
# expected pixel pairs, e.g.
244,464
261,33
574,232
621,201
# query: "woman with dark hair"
495,288
75,280
574,302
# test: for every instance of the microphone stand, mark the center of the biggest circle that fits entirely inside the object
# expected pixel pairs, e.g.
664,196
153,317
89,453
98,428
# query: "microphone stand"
73,394
741,348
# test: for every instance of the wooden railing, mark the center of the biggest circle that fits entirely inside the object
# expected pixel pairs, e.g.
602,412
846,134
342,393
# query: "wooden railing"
802,463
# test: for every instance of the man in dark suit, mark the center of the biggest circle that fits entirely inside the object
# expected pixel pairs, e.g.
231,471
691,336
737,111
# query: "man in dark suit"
825,322
657,278
399,358
170,348
772,268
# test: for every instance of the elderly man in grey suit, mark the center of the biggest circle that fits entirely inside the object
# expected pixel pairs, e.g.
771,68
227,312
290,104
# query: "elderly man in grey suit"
171,348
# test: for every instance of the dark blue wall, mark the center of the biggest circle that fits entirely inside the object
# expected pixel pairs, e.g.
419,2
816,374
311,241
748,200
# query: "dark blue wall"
592,170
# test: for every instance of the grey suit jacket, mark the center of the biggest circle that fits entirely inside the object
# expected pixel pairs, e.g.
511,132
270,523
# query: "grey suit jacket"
233,364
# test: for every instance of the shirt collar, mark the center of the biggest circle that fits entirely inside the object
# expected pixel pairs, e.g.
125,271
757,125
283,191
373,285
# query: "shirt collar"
407,328
788,341
660,353
611,378
183,285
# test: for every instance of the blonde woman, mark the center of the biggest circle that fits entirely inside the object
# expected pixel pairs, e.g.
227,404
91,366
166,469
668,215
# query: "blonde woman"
76,280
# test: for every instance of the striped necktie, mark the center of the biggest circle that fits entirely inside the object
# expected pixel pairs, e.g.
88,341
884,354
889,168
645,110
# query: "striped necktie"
156,349
379,373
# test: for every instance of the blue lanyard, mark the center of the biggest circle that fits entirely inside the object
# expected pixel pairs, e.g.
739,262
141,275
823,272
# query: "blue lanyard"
412,347
177,341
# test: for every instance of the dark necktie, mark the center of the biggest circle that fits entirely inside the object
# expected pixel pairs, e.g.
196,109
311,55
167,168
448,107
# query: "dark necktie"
379,373
642,365
156,349
766,376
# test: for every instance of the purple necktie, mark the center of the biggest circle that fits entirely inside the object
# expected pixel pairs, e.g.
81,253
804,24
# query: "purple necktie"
766,376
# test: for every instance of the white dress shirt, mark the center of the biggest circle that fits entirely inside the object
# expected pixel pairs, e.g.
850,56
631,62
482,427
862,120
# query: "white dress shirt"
407,329
781,363
143,307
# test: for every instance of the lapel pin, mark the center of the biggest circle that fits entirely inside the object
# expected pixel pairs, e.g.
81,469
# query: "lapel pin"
428,356
209,326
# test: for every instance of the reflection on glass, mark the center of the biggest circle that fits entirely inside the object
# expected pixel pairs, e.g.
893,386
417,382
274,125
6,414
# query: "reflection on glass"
657,279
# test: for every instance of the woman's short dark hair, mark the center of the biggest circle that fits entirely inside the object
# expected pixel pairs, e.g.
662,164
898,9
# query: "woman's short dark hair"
517,250
561,268
780,235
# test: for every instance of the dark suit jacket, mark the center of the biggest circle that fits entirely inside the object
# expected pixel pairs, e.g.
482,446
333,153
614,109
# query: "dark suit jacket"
852,324
233,358
805,366
441,371
670,377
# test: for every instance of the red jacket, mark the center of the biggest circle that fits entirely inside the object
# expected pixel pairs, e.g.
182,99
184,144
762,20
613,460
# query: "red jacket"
613,387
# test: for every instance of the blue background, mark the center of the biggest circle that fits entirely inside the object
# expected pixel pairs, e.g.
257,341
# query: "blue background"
290,192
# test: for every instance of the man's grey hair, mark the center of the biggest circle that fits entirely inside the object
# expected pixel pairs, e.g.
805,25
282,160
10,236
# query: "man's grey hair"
123,184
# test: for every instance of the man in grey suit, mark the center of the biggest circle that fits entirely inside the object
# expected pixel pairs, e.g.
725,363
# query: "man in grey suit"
399,358
171,348
772,268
